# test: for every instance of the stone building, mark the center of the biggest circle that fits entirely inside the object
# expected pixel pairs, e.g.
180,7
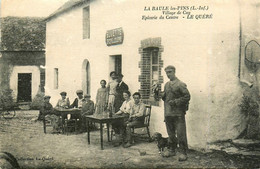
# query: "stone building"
22,57
86,40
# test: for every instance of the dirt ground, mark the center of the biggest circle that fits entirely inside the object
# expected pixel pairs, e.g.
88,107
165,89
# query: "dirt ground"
25,139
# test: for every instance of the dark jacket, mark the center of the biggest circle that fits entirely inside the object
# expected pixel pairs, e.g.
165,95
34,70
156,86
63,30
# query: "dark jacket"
88,108
119,95
46,108
75,103
176,98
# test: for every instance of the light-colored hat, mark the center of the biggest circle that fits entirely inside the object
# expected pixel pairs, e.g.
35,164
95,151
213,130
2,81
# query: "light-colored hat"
79,91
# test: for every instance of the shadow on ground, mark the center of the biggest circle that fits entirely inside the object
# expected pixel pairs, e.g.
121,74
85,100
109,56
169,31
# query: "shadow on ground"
25,139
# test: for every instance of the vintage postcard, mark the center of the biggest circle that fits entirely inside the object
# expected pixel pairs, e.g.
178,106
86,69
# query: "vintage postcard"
129,84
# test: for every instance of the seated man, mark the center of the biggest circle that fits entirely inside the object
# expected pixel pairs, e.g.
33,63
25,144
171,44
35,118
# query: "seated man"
136,117
87,109
77,103
47,111
46,108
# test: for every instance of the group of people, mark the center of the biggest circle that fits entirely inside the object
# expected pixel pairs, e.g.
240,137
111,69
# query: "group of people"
116,98
83,102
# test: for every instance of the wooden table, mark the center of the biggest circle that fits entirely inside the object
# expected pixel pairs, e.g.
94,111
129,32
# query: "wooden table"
64,112
101,120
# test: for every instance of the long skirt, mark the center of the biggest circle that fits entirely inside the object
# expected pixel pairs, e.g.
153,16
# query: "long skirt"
111,103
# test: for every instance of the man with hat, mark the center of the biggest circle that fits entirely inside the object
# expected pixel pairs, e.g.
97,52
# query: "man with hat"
63,102
77,103
47,112
46,108
87,109
176,100
120,88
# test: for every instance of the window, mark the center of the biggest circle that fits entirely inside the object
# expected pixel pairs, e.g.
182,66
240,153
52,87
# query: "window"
154,65
115,63
56,78
86,23
118,64
150,65
42,81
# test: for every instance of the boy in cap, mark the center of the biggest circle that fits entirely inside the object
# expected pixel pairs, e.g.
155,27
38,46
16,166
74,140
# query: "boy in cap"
176,100
63,102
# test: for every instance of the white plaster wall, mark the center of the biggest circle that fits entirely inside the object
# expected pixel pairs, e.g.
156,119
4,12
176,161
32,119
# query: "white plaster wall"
205,53
250,31
34,70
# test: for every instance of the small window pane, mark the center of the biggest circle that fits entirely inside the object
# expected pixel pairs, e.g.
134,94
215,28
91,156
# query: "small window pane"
155,57
155,73
86,23
56,78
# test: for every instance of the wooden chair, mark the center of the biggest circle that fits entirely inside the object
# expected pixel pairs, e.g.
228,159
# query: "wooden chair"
46,123
146,123
71,124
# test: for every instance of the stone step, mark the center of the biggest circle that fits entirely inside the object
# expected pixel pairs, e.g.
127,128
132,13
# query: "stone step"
24,105
246,143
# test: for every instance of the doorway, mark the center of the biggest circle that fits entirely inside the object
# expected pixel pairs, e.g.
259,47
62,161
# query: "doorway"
86,77
24,87
116,63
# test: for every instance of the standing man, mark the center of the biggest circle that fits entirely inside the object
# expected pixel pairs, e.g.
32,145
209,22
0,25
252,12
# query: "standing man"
120,88
176,100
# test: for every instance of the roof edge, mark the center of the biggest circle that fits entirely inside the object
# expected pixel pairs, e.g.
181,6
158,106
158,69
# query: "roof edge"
61,11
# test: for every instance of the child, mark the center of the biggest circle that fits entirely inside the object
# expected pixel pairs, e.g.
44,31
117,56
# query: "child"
101,98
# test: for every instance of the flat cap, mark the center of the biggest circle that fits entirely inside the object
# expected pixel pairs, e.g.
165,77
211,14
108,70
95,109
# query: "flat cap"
79,92
63,93
170,67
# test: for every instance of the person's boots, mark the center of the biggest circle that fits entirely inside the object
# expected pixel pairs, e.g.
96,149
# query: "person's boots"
169,152
117,141
129,142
